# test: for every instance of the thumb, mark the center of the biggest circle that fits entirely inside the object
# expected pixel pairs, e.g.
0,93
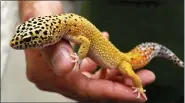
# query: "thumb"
58,57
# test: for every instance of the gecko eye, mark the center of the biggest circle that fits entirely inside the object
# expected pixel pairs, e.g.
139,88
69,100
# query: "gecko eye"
27,38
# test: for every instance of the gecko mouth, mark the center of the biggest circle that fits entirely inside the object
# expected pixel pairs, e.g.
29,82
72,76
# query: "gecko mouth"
14,46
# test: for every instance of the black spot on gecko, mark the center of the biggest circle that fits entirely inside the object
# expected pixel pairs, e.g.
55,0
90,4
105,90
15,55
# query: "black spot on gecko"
75,19
42,37
21,42
42,27
59,21
25,34
40,41
65,17
34,22
65,21
40,20
35,37
29,25
45,32
39,24
16,43
31,33
35,42
47,25
17,38
23,28
31,42
36,31
12,39
75,25
18,31
18,27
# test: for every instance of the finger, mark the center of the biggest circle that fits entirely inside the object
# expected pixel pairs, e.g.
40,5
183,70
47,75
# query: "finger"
58,56
110,73
105,34
88,65
97,89
146,77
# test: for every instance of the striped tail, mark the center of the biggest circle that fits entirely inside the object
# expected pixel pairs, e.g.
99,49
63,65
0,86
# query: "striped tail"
150,50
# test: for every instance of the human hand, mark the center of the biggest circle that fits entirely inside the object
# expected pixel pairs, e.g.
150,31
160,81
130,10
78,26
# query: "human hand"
50,71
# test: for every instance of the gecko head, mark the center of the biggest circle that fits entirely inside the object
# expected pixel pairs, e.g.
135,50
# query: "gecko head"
31,34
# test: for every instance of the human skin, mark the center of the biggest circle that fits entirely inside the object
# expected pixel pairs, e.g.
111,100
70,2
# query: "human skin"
50,70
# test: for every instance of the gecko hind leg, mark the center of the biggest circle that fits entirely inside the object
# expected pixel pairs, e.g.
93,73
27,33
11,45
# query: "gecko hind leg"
126,69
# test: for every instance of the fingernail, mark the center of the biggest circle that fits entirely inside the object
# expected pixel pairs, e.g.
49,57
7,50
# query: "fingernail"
59,61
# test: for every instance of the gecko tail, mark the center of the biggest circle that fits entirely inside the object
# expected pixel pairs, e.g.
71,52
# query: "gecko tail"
152,50
168,54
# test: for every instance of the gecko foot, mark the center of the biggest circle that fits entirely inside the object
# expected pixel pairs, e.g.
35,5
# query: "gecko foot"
140,92
77,62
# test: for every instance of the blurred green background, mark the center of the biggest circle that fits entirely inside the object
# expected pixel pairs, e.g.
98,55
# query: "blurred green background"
130,23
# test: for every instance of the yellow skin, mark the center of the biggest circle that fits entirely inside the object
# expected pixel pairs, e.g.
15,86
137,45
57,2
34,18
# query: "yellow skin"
40,32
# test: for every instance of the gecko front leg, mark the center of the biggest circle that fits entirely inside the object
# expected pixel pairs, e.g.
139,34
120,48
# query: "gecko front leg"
83,50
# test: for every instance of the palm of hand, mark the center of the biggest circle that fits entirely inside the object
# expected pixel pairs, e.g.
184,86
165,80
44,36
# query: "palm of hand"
76,85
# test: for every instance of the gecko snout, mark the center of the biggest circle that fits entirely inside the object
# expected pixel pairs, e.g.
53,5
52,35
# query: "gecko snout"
12,44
